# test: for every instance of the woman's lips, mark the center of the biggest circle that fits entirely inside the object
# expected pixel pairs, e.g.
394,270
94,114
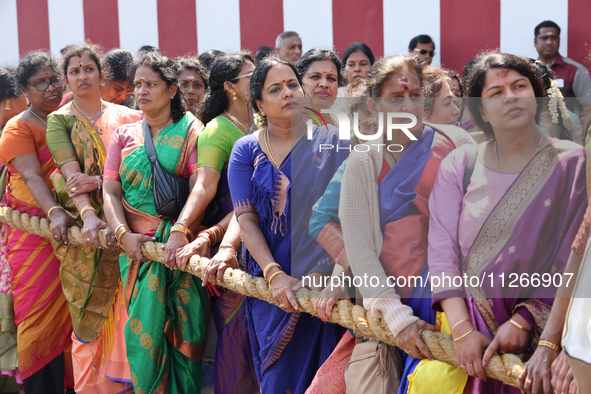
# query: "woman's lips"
514,111
322,94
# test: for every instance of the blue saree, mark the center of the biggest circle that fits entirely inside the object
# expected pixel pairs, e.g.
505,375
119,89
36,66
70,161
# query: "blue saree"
288,348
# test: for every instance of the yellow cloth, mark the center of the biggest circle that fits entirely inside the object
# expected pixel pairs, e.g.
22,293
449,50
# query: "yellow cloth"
429,374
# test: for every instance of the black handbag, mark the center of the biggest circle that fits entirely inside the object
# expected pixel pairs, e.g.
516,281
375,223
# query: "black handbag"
170,191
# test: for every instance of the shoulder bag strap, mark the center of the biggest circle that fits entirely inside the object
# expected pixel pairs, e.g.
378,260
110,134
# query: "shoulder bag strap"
148,142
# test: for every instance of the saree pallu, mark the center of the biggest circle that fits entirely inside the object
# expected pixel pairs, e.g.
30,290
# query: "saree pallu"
168,310
529,231
404,213
41,313
288,348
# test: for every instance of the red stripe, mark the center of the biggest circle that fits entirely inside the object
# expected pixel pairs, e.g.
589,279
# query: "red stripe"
358,21
261,21
33,25
177,27
579,31
467,28
101,23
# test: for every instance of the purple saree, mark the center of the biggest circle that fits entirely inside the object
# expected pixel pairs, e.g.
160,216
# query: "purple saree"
529,231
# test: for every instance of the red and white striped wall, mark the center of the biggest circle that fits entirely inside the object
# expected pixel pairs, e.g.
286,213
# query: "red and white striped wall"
460,28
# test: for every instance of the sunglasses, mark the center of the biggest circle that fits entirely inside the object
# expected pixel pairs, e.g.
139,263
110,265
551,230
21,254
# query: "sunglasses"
42,86
424,52
244,76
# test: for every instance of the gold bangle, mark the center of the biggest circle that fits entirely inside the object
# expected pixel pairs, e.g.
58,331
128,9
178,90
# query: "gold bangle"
465,335
121,227
87,208
185,226
274,275
125,230
51,210
268,267
118,227
549,344
178,228
457,324
517,325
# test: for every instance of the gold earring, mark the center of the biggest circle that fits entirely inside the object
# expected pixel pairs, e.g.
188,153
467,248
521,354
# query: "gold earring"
235,99
7,107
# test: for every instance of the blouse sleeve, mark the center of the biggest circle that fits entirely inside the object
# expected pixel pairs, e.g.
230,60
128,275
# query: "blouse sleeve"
326,209
445,206
58,138
113,160
215,146
240,170
17,140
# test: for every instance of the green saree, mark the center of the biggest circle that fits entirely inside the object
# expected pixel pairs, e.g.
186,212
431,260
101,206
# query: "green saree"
168,310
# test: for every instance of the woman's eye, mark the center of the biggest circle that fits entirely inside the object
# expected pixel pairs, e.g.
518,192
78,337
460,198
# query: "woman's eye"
293,85
274,90
151,84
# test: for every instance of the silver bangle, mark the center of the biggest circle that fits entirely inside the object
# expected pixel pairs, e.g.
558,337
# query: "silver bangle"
98,182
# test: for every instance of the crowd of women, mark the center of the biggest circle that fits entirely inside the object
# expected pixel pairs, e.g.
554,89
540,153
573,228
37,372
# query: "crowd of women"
213,157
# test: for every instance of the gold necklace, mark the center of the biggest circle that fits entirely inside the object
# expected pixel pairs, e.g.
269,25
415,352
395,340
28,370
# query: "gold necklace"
268,146
235,120
37,116
535,153
92,122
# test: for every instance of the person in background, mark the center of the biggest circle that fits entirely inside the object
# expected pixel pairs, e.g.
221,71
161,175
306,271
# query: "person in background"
78,135
117,64
288,45
440,104
208,57
357,60
423,47
321,74
455,83
41,311
262,53
147,48
192,82
15,101
572,78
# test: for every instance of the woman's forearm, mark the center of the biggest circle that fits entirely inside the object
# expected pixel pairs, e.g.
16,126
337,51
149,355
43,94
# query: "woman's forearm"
68,170
455,311
202,193
255,240
113,208
232,236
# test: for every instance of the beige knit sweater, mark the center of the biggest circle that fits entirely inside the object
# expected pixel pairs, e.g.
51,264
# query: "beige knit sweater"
359,213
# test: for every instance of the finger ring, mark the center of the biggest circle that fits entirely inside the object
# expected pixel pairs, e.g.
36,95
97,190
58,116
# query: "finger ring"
55,236
87,239
73,190
469,365
462,366
527,381
281,306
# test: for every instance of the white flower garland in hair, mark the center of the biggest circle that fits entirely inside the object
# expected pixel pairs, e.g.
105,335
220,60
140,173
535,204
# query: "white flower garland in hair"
260,121
556,101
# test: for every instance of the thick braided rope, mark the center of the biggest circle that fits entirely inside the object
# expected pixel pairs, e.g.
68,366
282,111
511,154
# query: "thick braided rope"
505,368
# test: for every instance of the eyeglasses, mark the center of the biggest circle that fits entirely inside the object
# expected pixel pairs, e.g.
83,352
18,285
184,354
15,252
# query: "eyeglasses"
42,86
424,52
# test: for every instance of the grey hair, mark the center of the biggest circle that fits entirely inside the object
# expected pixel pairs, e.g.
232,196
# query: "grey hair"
281,38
